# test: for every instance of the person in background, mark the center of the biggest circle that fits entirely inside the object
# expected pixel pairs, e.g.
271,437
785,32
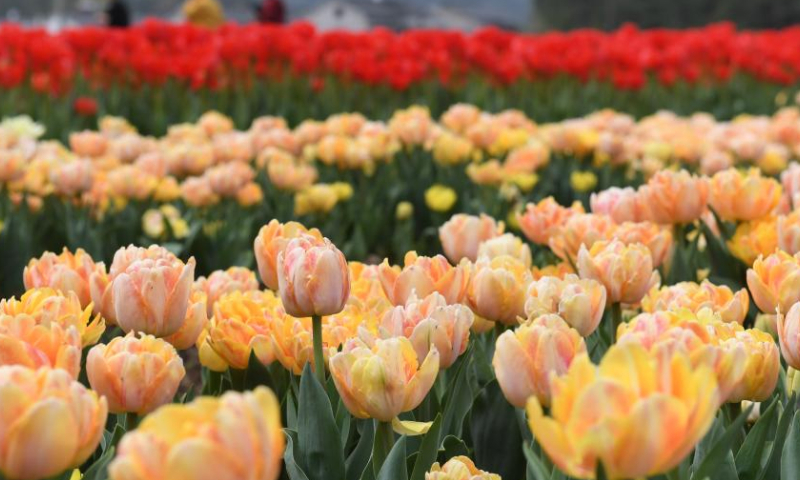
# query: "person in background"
117,14
271,11
204,13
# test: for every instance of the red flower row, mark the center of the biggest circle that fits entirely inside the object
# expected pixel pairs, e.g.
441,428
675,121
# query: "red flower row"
238,55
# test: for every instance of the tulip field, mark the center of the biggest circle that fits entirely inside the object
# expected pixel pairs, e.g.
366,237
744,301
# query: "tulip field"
261,253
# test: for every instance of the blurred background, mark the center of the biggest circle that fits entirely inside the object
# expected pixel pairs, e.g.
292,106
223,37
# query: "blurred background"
467,15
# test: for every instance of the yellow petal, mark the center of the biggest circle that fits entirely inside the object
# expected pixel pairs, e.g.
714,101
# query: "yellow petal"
409,428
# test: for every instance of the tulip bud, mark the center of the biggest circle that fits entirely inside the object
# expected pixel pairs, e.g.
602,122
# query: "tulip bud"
524,359
625,270
674,197
135,374
789,336
235,436
270,242
384,380
506,244
743,196
313,277
580,302
50,423
774,282
539,221
497,289
462,235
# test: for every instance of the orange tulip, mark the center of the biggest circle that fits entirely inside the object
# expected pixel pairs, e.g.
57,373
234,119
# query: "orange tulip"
313,278
383,380
67,272
50,423
497,289
458,468
674,197
423,276
583,229
135,374
625,270
25,342
540,220
597,413
526,358
753,239
270,242
738,196
580,302
241,325
462,235
774,282
233,437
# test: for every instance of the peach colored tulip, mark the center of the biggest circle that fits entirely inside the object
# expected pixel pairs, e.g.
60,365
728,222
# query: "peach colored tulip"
270,242
526,358
459,468
621,204
25,342
67,272
580,302
197,192
735,195
625,270
383,380
506,244
236,436
135,374
292,341
152,296
196,321
732,307
313,278
789,336
462,235
48,306
73,178
582,229
790,179
762,364
754,239
774,282
540,220
240,325
673,399
50,423
497,289
430,322
559,270
674,197
657,238
788,231
423,276
220,282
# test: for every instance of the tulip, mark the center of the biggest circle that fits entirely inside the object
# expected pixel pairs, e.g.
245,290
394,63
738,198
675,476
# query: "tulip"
384,380
440,198
774,282
221,282
506,244
597,413
423,276
458,468
236,436
67,272
732,307
525,359
497,289
625,270
152,296
136,374
195,322
674,197
580,302
25,342
738,196
789,336
788,232
462,235
762,365
754,239
431,322
580,230
313,277
49,423
621,204
657,238
270,242
241,325
48,306
539,221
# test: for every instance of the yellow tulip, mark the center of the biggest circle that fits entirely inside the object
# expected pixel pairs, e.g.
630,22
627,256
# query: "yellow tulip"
240,325
732,307
440,198
774,282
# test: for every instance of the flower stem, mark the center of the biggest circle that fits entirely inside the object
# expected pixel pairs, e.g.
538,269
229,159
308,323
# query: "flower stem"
384,441
616,319
319,360
131,421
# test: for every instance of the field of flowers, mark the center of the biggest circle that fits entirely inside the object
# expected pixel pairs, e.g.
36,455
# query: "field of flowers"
210,272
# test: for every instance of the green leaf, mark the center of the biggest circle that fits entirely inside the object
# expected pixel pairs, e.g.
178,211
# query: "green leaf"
772,468
320,452
718,463
257,374
99,469
292,468
394,468
790,460
748,458
496,434
536,469
452,446
458,402
427,451
358,461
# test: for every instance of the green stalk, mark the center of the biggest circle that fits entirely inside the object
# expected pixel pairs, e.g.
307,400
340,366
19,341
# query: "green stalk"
131,421
384,441
319,360
616,318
